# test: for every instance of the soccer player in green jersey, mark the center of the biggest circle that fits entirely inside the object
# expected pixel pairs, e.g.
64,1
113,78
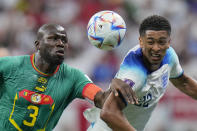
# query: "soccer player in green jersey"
35,90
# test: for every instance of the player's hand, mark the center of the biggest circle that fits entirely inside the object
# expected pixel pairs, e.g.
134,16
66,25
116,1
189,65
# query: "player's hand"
124,91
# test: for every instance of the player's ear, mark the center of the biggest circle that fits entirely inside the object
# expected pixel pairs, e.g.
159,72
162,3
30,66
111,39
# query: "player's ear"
66,45
141,43
169,42
37,45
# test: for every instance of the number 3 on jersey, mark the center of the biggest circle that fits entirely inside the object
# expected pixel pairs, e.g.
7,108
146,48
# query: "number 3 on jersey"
32,115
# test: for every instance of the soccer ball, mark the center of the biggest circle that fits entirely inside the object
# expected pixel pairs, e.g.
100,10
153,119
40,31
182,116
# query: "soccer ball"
106,30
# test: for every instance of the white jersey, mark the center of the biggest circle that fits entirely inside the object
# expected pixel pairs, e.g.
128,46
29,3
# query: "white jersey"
148,86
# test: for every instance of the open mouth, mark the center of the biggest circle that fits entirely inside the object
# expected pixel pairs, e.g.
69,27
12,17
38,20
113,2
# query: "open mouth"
60,52
155,57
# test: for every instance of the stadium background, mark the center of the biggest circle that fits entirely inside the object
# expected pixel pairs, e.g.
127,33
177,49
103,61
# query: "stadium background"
20,19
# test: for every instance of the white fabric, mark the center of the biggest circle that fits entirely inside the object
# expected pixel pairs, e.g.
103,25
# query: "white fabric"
148,86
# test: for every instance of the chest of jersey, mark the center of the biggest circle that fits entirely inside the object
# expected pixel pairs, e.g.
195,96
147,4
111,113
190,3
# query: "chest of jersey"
154,87
32,99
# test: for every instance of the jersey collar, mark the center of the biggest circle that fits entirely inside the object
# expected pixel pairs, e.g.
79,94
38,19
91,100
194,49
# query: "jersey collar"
32,57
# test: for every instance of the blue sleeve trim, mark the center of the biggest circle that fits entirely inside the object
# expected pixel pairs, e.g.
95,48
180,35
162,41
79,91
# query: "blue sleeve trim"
178,75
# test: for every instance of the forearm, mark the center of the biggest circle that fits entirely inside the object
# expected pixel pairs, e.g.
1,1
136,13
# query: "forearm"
190,87
187,85
112,114
100,98
120,123
117,87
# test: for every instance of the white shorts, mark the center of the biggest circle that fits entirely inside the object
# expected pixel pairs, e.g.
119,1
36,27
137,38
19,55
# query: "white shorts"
93,116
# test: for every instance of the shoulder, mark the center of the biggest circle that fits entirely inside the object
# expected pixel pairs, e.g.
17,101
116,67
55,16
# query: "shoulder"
133,56
13,62
7,58
67,69
133,60
14,59
72,73
171,57
170,53
133,68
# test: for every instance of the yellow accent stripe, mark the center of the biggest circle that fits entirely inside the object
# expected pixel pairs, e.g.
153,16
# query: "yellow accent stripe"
34,66
10,118
37,68
53,106
40,89
41,130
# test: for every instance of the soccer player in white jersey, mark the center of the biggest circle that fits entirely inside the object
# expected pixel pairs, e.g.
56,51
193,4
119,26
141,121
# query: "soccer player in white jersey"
148,67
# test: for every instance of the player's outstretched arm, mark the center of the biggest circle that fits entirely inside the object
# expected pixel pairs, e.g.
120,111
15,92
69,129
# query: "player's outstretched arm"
112,114
186,84
100,98
117,85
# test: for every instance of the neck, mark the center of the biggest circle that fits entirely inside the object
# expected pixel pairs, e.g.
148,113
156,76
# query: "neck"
43,65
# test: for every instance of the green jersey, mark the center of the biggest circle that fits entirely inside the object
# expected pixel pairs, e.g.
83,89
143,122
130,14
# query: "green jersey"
31,100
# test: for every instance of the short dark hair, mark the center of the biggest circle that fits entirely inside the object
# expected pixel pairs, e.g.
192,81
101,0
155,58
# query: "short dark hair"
154,22
44,28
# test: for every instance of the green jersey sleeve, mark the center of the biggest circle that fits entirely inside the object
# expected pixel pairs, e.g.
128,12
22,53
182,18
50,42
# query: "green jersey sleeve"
80,81
6,65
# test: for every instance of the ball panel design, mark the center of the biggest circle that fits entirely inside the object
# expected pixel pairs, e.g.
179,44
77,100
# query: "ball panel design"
106,30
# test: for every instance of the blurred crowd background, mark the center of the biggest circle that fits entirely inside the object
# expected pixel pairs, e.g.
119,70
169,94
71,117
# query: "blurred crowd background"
20,19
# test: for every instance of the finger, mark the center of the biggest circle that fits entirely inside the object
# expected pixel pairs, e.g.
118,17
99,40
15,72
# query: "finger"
125,95
134,97
123,88
131,93
122,98
114,91
113,87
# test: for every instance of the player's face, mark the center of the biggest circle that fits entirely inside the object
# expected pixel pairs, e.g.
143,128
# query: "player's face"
154,45
53,45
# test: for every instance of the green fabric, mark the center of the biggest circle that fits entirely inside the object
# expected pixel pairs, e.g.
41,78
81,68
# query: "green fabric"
19,82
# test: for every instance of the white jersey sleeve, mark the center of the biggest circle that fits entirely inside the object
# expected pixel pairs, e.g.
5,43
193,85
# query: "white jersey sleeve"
176,69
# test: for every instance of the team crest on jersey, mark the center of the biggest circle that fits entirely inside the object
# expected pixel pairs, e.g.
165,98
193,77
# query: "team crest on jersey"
36,98
164,79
